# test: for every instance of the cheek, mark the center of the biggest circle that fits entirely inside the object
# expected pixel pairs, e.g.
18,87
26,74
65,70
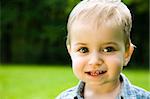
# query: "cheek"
78,65
77,61
115,62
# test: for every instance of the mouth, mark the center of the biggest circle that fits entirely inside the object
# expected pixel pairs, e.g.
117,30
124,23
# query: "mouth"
96,72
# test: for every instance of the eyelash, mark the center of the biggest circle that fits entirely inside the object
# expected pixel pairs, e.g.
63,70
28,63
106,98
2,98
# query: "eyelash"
104,50
83,50
108,49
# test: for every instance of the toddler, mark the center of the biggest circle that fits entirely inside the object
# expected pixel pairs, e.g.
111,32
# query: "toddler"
99,44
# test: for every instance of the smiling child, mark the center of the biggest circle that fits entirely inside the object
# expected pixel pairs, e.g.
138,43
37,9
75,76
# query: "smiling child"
99,44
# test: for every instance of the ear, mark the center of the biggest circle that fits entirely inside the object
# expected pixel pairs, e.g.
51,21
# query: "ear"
69,49
128,54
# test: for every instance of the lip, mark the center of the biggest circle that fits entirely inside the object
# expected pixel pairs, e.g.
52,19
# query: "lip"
96,73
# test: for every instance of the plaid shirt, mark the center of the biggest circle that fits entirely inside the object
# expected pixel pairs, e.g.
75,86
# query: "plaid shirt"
128,91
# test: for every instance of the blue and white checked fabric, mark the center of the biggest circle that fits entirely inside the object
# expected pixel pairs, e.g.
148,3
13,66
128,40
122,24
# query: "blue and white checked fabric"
128,91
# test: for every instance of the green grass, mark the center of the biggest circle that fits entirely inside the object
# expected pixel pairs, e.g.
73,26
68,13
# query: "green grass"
31,82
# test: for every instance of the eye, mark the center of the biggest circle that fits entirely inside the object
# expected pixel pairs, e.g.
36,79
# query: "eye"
83,50
109,49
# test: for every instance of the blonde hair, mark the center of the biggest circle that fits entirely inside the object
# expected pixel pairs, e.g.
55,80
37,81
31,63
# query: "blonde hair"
100,12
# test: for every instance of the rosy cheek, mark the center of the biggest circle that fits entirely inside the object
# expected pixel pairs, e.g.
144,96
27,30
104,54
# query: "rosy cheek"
77,62
78,67
115,61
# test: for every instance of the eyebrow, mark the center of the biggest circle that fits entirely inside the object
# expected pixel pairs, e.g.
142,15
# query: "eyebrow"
80,43
108,43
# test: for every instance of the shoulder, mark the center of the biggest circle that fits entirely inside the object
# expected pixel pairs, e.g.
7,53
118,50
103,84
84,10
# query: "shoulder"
68,94
130,90
140,93
72,92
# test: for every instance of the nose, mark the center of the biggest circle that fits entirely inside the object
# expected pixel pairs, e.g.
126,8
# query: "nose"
95,59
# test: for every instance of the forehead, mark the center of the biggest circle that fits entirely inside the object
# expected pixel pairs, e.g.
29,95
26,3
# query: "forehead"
83,31
97,18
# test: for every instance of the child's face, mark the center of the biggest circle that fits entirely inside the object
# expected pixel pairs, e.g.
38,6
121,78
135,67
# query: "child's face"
97,55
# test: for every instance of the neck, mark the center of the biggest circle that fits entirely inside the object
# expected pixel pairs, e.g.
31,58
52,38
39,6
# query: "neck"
108,89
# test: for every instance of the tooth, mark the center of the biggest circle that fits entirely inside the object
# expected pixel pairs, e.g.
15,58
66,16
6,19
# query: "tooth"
100,72
94,73
97,72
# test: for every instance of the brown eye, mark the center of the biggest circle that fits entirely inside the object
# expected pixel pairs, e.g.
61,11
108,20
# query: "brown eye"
83,50
109,49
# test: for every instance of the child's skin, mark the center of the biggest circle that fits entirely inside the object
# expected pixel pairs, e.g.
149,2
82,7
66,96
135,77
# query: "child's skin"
98,56
99,44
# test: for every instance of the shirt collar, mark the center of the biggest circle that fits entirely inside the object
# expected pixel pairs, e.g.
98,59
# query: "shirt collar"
126,89
80,90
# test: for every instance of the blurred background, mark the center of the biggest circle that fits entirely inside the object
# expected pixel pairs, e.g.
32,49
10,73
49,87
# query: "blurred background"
33,33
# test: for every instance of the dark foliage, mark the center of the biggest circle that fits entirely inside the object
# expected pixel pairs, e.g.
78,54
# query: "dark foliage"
33,32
